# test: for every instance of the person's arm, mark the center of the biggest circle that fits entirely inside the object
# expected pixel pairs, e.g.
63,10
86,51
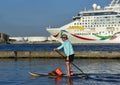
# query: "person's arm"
58,48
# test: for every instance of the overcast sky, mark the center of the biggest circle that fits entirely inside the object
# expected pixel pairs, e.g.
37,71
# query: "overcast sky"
31,17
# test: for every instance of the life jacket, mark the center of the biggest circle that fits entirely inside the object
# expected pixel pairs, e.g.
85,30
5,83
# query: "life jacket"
58,71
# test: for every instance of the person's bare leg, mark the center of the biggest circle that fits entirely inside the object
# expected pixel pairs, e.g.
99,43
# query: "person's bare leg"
71,71
68,68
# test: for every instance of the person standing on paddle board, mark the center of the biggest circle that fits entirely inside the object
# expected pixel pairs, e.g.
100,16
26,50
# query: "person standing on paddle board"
69,52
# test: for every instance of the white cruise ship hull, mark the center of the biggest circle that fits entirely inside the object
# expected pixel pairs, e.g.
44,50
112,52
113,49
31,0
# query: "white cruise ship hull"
56,33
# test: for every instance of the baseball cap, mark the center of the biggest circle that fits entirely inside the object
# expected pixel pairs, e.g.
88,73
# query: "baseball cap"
64,35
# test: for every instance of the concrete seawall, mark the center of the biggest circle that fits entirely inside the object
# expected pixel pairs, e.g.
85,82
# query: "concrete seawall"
52,54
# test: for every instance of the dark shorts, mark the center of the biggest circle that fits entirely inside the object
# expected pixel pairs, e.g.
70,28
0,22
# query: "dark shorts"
71,58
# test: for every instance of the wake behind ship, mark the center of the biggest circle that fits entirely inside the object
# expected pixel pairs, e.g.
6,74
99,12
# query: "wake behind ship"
100,25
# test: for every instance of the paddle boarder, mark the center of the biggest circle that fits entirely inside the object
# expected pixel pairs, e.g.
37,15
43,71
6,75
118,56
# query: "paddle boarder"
69,52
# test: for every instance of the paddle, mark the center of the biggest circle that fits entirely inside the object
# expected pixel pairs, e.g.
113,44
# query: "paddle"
73,64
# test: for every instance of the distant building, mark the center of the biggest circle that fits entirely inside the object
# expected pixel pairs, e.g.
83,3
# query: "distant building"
36,39
29,39
19,39
4,38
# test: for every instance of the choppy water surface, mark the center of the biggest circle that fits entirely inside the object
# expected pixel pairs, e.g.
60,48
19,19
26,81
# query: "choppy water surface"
100,72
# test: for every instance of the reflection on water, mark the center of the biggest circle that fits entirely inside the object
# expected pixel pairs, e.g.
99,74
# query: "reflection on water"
58,80
69,81
101,72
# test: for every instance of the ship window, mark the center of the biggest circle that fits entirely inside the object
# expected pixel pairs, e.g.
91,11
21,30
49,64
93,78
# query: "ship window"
99,13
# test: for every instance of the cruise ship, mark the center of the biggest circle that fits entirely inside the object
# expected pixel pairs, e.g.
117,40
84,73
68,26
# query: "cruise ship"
99,25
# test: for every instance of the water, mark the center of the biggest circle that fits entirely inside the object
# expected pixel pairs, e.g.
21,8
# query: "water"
49,47
101,72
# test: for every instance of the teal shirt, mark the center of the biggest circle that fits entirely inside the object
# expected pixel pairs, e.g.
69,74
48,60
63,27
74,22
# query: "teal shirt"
68,49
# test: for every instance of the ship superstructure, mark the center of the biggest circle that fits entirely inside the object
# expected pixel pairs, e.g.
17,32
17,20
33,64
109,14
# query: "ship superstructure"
100,25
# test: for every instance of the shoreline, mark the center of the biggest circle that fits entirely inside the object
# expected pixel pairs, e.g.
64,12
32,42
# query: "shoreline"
54,55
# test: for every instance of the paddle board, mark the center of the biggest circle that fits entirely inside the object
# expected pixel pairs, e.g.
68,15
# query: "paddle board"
54,76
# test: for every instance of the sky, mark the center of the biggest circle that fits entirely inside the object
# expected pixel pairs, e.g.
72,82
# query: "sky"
32,17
